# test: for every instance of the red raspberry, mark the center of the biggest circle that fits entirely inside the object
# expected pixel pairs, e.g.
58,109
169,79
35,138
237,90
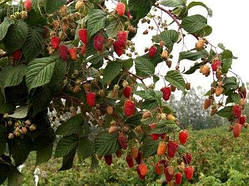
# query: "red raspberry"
152,126
55,42
159,167
178,178
63,52
123,141
237,129
237,110
189,171
152,51
172,148
120,9
129,161
187,158
98,42
166,93
83,35
91,98
128,14
242,92
118,49
215,65
183,136
155,136
28,5
242,120
122,37
127,91
83,49
142,170
168,177
17,55
129,108
139,157
108,159
73,53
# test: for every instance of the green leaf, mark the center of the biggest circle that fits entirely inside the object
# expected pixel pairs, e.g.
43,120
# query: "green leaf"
68,160
193,56
5,107
226,112
206,31
54,5
66,145
71,126
144,67
33,45
12,76
14,177
175,78
134,120
40,71
96,21
194,23
165,126
197,3
44,154
139,9
86,147
16,36
173,3
20,149
192,69
58,74
169,37
149,147
111,71
113,27
20,112
230,84
236,98
106,143
3,139
127,64
227,59
4,26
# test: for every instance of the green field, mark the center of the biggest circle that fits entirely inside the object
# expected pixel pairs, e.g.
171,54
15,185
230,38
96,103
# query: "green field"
219,159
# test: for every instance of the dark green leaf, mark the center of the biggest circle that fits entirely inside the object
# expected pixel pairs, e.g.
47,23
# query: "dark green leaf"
96,21
134,120
68,160
193,55
44,154
144,67
169,37
106,144
149,147
86,148
192,69
113,27
54,5
173,3
197,3
194,23
111,71
12,76
3,139
40,71
66,145
4,26
33,45
226,112
206,31
165,126
16,36
175,78
71,126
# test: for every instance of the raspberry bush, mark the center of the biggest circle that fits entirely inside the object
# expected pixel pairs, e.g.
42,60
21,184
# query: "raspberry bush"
79,57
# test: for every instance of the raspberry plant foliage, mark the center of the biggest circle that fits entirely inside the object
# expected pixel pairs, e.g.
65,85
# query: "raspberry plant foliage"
78,57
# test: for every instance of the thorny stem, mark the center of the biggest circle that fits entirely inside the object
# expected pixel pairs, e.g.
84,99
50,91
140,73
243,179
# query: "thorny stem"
141,79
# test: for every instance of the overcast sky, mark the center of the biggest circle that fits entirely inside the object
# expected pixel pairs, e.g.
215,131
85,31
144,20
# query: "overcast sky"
230,27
